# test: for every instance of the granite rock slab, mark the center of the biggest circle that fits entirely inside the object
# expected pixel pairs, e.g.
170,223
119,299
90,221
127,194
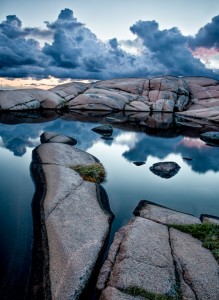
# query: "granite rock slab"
75,217
157,213
149,255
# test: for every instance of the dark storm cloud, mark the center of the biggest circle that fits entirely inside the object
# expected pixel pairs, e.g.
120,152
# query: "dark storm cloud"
207,36
74,51
169,48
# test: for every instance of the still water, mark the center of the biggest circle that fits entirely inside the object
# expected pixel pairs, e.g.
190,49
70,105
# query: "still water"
193,190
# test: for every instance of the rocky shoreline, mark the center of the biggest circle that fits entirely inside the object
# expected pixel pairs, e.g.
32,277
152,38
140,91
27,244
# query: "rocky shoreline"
149,257
196,97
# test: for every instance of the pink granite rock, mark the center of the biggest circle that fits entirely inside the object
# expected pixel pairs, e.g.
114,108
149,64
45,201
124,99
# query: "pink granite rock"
193,96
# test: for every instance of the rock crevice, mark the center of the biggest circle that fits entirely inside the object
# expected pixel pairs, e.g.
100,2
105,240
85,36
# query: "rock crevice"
155,259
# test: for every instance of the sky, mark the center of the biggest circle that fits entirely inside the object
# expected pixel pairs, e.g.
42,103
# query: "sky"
101,39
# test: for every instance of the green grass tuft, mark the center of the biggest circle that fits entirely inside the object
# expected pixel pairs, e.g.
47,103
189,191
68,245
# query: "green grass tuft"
94,173
136,291
207,233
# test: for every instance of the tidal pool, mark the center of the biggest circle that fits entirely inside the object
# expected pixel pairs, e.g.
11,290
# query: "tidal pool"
194,189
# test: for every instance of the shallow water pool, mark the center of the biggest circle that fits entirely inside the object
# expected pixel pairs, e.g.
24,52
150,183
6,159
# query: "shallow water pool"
194,189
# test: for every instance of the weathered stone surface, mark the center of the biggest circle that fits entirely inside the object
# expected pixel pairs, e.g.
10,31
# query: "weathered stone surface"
74,217
68,91
158,259
18,100
29,99
62,154
53,137
143,260
165,169
211,137
197,269
161,214
190,96
111,293
204,102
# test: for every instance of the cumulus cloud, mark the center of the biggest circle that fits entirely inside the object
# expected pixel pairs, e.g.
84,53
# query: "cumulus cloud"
73,51
207,36
169,48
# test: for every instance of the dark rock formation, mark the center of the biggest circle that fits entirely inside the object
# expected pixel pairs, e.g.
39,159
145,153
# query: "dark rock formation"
211,137
105,129
165,169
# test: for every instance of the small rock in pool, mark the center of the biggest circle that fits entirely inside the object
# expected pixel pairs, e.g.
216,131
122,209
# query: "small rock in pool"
105,129
211,138
53,137
138,163
166,169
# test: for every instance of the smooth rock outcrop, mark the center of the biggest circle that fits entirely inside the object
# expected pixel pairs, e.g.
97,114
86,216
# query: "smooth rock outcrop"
165,169
196,97
156,260
166,93
74,221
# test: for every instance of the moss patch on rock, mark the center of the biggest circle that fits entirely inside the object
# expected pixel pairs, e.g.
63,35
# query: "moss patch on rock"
208,234
93,173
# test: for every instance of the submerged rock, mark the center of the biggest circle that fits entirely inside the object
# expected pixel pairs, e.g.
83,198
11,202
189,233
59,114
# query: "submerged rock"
211,138
105,129
166,169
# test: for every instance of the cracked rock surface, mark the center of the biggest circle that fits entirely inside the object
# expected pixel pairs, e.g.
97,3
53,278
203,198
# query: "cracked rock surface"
157,259
75,222
190,96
